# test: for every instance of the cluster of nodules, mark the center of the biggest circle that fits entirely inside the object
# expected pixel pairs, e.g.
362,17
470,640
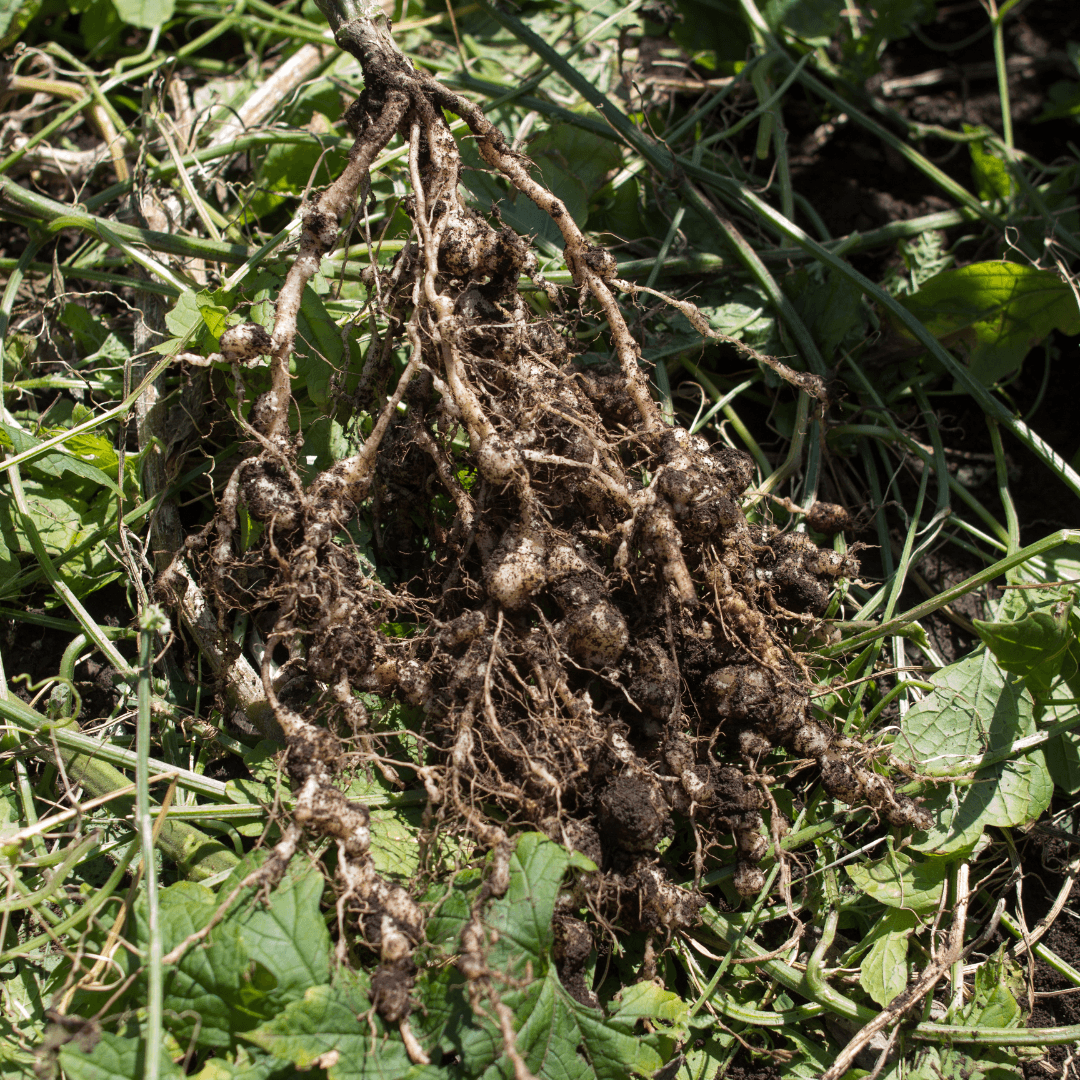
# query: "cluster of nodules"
600,650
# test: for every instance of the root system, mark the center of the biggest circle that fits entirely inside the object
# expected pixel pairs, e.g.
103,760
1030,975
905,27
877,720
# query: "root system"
601,636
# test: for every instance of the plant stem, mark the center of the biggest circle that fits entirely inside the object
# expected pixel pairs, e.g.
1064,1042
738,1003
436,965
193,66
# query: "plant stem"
153,619
984,577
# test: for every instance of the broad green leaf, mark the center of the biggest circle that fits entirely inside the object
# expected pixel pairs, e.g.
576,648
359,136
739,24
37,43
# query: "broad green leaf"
522,918
889,921
1063,99
213,315
994,313
319,353
520,213
1060,564
930,1062
100,26
883,973
716,25
899,882
1063,758
812,1059
923,256
575,165
557,1036
994,1000
15,1061
888,22
618,210
976,709
395,841
831,308
185,323
80,457
144,13
319,349
324,443
250,1064
287,935
992,180
63,520
812,20
646,1000
704,1057
336,1028
209,996
88,333
112,1057
1035,645
15,16
286,171
199,317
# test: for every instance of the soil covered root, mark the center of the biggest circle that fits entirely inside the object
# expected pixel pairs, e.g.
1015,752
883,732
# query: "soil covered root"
601,646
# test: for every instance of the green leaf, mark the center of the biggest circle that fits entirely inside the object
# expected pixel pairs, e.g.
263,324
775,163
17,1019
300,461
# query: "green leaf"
575,165
899,882
319,352
975,709
319,349
288,935
1063,99
647,1001
888,22
286,171
715,25
100,26
883,972
185,324
557,1036
395,841
997,984
144,13
113,1057
209,994
250,1064
15,16
88,333
992,180
936,1062
705,1057
994,313
63,519
1060,564
1035,645
81,456
811,20
831,308
336,1028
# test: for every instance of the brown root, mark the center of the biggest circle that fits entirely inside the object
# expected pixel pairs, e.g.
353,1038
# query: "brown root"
592,616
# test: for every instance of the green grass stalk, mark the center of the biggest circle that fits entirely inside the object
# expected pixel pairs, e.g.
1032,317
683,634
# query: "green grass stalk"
153,621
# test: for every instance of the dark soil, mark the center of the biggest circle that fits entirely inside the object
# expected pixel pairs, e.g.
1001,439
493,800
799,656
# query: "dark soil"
35,651
1057,1000
744,1067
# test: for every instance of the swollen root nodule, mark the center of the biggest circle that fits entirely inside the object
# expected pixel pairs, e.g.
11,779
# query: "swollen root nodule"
600,632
